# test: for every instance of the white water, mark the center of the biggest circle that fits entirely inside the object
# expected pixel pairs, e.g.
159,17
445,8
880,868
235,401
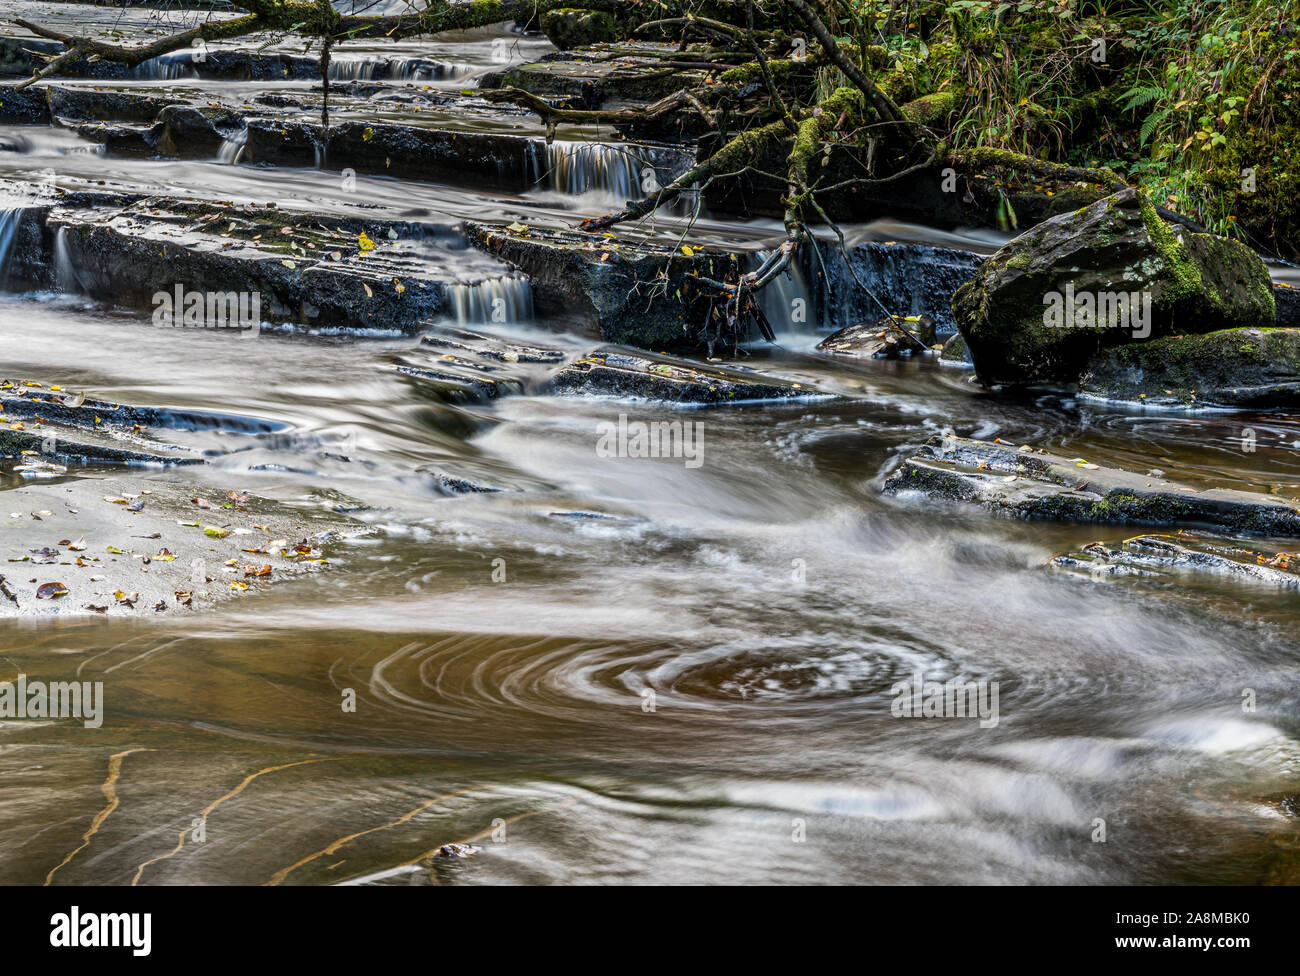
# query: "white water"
576,168
167,67
66,278
232,148
787,302
361,68
494,301
9,221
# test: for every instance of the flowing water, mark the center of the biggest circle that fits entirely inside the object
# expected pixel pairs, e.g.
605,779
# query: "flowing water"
636,670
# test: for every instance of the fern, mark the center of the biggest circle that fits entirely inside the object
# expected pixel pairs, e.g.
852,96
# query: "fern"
1140,95
1153,120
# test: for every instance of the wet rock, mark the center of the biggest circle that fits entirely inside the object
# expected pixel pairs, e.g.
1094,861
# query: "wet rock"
1170,280
1232,368
1162,557
927,196
568,28
462,385
119,139
911,279
1286,298
955,352
61,446
19,402
457,850
14,59
27,261
1030,484
489,347
618,375
882,339
303,270
448,484
483,159
460,365
94,105
27,106
642,295
590,78
186,132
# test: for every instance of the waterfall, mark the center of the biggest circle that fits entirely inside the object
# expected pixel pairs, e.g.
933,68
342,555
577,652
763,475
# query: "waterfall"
9,222
232,148
361,68
787,302
583,167
495,301
66,279
167,67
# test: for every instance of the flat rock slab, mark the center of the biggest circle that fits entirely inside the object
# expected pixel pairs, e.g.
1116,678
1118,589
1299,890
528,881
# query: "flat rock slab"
31,405
640,294
305,270
600,74
1029,484
1232,368
619,375
122,545
1165,557
458,365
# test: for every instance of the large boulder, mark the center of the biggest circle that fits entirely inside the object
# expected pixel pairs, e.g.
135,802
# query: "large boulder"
1232,368
1111,273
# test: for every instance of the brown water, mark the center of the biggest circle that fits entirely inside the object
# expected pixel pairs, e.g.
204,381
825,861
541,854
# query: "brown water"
694,689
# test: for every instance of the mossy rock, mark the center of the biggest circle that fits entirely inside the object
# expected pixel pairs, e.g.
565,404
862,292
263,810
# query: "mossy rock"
1232,368
568,28
1130,276
955,352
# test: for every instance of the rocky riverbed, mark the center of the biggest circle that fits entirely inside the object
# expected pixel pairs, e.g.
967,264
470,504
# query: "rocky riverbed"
476,517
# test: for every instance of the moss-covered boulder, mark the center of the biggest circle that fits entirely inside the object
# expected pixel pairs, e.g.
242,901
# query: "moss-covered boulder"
567,28
1232,368
1109,274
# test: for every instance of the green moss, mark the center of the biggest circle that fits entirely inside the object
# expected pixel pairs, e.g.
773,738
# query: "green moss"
932,109
1185,276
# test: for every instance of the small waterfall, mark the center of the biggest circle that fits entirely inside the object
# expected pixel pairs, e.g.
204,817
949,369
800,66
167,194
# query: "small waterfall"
789,305
66,279
584,167
362,68
495,301
167,67
9,222
232,148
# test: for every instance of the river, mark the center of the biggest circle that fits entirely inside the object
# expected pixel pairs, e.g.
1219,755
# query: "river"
635,670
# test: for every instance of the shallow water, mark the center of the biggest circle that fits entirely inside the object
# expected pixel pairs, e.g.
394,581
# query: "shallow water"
769,599
694,688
